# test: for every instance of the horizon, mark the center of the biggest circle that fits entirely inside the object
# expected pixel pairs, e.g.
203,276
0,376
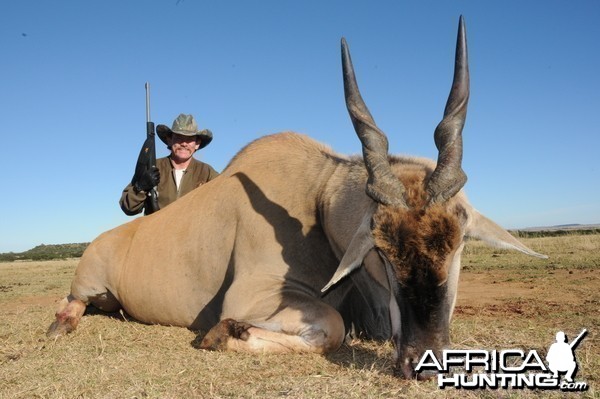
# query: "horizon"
591,226
74,99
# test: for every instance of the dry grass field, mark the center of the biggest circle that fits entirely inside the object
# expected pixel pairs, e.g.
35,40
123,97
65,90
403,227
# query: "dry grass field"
506,301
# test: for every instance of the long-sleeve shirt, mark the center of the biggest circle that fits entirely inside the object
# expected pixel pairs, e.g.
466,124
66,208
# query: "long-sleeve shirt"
197,173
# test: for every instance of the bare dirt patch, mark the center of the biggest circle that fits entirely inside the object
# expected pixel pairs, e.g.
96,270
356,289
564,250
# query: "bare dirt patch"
45,301
498,286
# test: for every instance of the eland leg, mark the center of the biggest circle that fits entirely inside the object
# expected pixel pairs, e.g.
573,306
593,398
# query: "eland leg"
311,326
71,309
68,314
88,287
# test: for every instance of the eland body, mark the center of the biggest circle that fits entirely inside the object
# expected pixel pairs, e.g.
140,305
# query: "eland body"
293,244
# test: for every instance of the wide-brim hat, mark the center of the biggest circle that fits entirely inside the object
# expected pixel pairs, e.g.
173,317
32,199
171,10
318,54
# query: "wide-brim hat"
185,125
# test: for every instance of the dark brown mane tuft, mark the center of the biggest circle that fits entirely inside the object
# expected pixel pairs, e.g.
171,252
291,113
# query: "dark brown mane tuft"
417,242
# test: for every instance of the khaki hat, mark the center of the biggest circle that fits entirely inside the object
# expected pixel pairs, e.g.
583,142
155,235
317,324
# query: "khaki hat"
185,125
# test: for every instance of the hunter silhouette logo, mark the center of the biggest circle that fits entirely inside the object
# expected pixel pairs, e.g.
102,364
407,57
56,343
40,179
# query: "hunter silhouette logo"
509,368
561,356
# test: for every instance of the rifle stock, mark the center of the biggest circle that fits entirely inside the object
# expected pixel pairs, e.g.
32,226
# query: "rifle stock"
152,200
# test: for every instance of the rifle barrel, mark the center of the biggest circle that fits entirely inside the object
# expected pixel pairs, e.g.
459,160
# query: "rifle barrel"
579,337
147,85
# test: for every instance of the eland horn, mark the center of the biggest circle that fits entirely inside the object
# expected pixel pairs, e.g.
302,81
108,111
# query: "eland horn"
382,185
448,177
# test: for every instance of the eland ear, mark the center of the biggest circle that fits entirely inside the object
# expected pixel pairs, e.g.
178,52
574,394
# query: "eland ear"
482,228
359,247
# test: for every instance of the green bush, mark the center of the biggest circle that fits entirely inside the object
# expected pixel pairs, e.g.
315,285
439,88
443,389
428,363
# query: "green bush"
47,252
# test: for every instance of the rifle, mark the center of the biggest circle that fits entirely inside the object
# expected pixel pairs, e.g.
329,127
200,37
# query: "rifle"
147,158
575,342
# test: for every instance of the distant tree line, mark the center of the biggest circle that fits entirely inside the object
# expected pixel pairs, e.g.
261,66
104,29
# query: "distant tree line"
46,252
553,233
64,251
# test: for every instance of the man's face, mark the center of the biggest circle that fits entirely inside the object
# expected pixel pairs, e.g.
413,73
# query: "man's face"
183,147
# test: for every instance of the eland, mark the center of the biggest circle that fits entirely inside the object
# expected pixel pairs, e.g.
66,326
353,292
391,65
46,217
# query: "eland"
294,245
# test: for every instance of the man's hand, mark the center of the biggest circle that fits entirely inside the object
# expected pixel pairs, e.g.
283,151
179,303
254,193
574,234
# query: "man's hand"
147,180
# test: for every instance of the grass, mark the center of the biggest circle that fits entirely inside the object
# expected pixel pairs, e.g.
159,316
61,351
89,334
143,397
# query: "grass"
524,301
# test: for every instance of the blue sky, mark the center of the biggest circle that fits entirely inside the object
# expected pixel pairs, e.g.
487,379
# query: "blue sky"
73,105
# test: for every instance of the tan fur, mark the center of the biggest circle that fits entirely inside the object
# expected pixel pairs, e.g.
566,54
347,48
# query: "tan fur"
257,244
250,251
